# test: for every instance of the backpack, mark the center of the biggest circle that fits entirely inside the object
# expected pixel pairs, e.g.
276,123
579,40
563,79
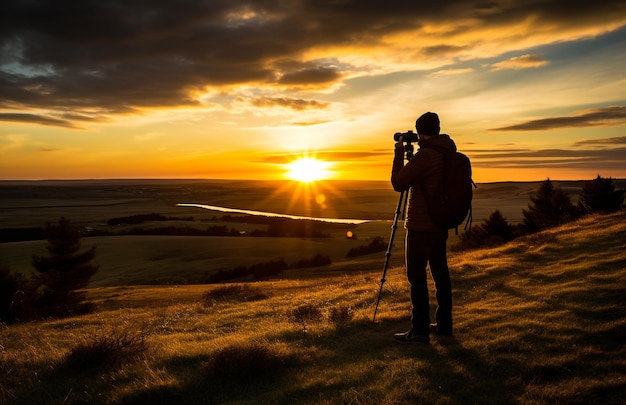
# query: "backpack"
452,202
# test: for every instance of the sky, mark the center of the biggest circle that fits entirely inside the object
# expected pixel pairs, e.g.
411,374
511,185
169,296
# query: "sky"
233,89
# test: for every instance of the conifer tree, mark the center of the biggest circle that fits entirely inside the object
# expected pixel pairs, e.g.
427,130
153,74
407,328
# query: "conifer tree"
599,195
65,270
548,207
492,231
495,229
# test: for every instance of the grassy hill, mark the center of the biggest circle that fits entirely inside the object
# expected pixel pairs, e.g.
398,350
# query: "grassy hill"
539,320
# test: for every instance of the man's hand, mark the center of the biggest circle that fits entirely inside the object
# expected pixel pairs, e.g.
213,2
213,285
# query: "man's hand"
399,144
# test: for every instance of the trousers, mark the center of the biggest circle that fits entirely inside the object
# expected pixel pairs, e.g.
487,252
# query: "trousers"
422,249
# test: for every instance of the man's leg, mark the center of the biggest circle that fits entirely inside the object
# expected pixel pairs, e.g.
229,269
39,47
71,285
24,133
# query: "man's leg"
417,251
441,276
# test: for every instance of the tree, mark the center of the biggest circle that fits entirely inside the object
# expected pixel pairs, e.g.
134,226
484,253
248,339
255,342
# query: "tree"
599,195
495,230
64,271
13,287
548,207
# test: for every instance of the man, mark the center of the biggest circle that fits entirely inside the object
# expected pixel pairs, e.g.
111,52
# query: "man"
425,242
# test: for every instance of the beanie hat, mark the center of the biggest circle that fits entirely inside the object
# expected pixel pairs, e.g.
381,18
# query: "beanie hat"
428,124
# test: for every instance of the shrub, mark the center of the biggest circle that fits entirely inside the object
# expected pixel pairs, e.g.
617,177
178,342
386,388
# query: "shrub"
118,346
14,295
340,315
233,293
305,314
246,362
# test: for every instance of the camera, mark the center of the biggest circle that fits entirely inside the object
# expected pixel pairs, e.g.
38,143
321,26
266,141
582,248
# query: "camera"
407,137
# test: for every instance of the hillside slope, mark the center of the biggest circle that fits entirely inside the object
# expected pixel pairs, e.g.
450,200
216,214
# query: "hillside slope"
539,320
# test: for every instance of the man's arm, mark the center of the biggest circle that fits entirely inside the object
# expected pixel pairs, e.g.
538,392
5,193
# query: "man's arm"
400,179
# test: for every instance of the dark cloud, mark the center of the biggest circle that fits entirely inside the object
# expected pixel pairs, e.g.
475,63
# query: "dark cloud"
37,119
551,158
292,103
615,115
311,76
118,57
620,140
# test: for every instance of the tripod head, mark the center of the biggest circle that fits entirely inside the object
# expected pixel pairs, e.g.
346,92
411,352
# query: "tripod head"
408,150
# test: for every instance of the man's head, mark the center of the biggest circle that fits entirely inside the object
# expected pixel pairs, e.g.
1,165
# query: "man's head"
428,124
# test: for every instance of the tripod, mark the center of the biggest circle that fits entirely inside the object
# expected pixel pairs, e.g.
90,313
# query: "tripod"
400,211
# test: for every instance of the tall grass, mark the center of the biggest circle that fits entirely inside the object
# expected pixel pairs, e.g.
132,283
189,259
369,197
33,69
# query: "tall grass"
538,320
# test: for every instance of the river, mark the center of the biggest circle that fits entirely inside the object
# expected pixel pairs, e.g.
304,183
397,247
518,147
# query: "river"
273,214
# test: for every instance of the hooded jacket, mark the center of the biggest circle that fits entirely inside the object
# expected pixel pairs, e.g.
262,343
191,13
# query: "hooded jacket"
424,168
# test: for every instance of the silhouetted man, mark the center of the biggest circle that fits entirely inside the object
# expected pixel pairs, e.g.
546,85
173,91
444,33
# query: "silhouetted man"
425,242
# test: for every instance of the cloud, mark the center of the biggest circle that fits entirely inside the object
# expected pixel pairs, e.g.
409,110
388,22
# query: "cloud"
311,76
520,62
452,72
324,155
309,123
608,116
37,119
292,103
550,158
98,58
620,140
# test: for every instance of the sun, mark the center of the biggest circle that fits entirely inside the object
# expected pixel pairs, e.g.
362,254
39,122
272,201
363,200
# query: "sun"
308,169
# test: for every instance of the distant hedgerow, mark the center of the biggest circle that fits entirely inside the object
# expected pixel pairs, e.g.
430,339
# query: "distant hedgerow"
377,244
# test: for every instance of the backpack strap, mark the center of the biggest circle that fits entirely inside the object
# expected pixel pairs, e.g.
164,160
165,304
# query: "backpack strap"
444,175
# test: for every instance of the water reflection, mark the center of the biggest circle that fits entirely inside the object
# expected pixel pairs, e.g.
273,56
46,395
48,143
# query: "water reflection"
274,214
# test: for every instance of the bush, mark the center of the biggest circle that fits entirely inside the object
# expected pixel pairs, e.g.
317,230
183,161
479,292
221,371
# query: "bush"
14,295
247,362
118,346
340,315
233,293
305,314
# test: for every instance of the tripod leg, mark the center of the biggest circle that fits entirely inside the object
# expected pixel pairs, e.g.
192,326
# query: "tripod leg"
399,211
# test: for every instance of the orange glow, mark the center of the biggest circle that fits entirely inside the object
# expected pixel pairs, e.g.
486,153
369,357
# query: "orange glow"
308,169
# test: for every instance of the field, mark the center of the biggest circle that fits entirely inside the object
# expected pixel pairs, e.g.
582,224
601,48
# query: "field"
538,320
137,259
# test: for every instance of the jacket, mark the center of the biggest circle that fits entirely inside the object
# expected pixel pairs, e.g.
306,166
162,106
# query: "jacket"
425,168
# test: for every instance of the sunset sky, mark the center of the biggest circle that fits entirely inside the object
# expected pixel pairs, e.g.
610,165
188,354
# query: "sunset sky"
239,89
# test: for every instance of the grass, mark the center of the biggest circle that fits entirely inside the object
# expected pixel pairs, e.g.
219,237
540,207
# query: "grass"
538,320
